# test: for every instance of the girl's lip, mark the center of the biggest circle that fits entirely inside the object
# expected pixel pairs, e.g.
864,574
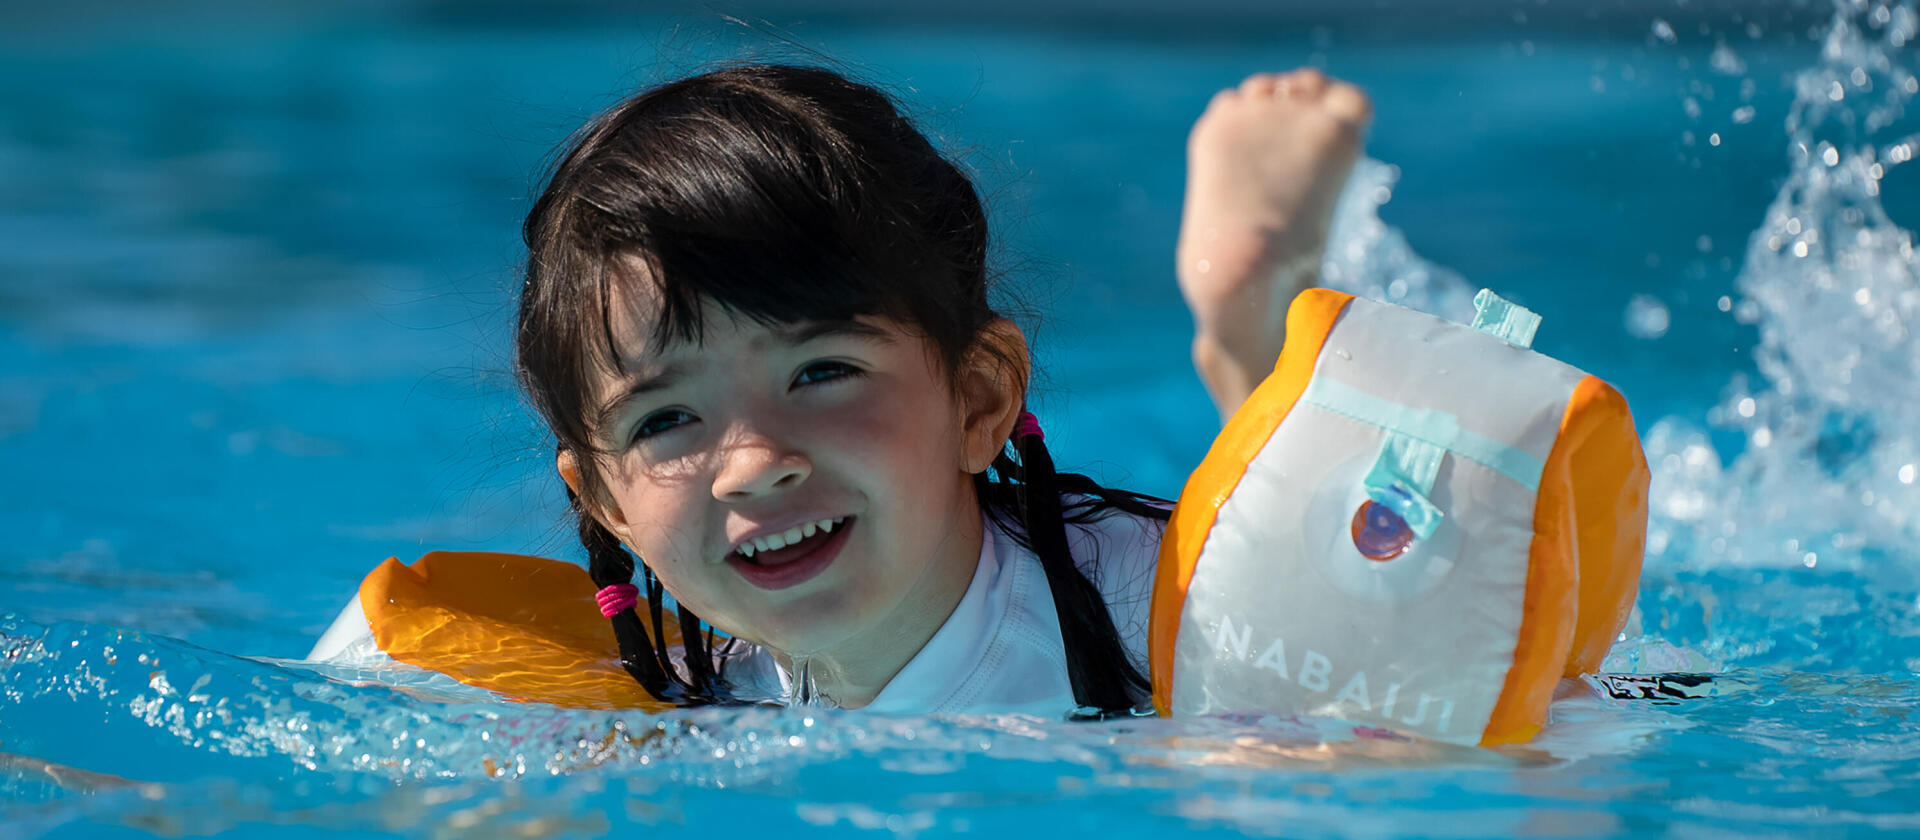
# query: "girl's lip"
798,570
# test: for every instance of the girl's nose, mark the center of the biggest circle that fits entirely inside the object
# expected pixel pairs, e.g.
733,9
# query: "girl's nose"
755,465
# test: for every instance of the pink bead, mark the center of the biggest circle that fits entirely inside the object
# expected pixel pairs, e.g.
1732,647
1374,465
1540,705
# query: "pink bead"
1027,425
617,599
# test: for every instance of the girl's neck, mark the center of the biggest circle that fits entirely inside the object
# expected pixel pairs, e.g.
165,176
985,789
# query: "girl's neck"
851,674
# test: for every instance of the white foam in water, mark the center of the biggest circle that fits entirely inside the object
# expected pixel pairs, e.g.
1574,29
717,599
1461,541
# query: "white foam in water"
1832,432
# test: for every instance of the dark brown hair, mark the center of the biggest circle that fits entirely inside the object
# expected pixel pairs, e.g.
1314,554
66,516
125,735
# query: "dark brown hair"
781,194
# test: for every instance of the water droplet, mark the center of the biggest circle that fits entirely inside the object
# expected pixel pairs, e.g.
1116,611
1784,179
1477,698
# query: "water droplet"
1663,32
1906,473
1647,317
1830,156
1799,249
1745,407
1203,266
1725,303
1696,455
1713,139
1725,61
1743,115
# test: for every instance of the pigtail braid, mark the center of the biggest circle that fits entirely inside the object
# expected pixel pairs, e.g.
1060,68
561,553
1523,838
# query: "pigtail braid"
608,563
643,653
1104,681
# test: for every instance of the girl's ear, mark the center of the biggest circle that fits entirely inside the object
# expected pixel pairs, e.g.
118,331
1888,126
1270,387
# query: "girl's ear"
993,390
609,515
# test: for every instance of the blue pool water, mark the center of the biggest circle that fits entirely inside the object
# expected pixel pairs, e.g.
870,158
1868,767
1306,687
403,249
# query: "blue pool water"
256,266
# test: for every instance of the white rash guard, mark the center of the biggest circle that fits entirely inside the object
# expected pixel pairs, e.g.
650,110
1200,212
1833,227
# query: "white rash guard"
1000,652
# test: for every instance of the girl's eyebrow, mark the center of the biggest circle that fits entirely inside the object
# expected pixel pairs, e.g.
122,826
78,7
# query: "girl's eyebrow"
804,332
639,386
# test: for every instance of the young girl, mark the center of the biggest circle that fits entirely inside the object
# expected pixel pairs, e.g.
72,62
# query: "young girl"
755,317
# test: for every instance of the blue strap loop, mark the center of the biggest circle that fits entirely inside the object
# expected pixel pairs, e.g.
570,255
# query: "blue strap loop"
1434,427
1504,319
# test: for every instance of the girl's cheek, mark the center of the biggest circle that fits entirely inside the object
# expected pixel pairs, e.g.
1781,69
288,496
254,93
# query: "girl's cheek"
885,408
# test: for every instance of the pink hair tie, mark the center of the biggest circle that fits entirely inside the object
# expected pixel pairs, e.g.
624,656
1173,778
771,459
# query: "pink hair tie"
1027,425
617,599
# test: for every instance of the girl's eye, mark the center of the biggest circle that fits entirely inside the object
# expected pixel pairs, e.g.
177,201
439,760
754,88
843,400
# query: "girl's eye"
815,373
660,422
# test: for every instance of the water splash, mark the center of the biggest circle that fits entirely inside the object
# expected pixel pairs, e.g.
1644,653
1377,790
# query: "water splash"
1369,258
200,713
1819,506
316,753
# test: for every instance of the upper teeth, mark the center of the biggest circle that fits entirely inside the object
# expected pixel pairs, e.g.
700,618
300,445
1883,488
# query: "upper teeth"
787,537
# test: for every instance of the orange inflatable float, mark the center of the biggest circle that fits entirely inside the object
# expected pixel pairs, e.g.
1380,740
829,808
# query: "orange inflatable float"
1411,523
526,628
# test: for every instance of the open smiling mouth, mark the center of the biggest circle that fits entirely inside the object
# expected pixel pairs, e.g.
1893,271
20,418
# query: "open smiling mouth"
774,563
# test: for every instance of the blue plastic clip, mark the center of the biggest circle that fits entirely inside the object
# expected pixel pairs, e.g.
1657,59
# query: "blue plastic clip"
1401,478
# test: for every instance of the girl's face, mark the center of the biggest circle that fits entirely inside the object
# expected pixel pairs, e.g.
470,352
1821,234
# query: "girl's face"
806,487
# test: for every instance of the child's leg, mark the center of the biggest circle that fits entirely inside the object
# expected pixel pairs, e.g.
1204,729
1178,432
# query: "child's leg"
1265,164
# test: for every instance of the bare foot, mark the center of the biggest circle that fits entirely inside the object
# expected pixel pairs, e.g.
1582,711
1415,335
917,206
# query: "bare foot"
1265,164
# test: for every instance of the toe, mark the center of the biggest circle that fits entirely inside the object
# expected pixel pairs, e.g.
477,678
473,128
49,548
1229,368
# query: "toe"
1308,82
1260,84
1347,102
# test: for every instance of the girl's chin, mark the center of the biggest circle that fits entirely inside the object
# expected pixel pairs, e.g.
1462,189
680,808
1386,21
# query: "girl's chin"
809,625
